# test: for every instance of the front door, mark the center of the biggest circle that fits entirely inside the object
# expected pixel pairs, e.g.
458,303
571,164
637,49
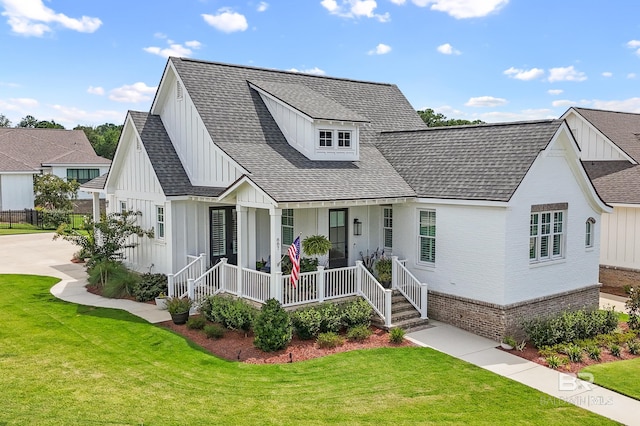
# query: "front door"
223,226
339,253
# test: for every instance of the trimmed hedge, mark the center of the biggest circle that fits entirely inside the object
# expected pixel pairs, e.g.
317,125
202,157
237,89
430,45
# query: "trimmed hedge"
272,327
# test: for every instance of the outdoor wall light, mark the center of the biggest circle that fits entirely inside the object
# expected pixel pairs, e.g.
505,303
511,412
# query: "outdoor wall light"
357,227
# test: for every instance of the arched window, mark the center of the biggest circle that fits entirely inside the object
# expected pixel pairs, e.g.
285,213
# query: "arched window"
589,228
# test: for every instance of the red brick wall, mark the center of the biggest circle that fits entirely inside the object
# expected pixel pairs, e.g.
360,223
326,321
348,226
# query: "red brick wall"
613,276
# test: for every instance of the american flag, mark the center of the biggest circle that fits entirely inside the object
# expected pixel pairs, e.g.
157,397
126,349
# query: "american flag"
294,255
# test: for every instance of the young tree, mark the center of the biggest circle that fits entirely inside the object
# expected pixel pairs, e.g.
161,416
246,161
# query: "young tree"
48,125
436,119
54,193
4,121
28,121
103,138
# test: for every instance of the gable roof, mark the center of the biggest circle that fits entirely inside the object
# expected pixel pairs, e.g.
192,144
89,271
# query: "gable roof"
615,181
240,124
28,150
479,162
164,159
622,128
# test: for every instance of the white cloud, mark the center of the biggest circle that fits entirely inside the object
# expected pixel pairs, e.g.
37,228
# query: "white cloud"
355,9
555,92
631,75
563,103
72,116
262,6
525,75
96,90
462,9
634,44
447,49
314,70
381,49
607,74
174,49
485,101
398,2
33,18
626,105
133,93
526,114
566,74
25,102
227,21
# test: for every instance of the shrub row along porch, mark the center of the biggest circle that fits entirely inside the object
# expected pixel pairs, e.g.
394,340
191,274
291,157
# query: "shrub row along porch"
318,286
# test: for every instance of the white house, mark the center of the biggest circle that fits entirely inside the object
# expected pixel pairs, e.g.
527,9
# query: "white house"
235,161
27,152
610,152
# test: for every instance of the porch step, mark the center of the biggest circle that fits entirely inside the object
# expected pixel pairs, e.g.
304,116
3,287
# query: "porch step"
403,315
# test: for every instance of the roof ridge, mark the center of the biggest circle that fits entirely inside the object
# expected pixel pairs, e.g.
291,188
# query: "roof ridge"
275,70
606,110
479,125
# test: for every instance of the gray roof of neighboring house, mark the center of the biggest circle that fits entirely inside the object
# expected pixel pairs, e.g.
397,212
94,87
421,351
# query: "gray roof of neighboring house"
615,181
622,128
96,183
480,162
164,159
240,124
24,149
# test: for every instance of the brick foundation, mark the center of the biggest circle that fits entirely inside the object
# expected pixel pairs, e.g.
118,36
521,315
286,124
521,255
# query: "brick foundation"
496,321
613,276
86,206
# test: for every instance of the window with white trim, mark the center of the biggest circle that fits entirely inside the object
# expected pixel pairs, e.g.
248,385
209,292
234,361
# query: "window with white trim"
546,235
387,228
287,227
427,236
326,138
588,232
123,206
160,222
344,139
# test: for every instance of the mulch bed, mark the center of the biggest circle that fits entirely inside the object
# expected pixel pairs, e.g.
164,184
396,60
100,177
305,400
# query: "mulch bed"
616,291
236,346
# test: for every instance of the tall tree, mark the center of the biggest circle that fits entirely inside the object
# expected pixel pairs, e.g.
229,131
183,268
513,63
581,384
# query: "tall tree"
4,121
48,125
436,119
103,138
28,121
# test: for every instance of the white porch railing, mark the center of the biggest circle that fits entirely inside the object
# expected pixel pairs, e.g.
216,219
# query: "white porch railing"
377,296
256,285
177,283
410,287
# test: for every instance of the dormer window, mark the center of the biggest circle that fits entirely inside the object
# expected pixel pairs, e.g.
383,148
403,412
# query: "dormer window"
344,139
326,138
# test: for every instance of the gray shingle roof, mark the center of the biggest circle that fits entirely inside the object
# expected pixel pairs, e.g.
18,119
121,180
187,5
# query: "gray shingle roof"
240,124
166,163
96,183
615,181
28,150
622,128
483,162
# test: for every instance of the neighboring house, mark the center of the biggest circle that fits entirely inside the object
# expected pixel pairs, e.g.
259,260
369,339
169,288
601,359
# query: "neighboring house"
610,152
27,152
235,162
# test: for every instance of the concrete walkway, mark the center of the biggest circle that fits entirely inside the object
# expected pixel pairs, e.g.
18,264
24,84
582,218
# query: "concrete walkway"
38,254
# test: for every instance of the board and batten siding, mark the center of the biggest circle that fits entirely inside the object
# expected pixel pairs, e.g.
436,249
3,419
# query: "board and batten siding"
204,162
620,238
592,144
551,180
16,191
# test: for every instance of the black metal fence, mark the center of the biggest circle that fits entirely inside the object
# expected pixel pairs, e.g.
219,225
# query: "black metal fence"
40,219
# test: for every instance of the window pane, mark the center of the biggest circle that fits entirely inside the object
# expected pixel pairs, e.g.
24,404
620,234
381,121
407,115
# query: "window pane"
427,236
533,248
557,244
218,234
544,246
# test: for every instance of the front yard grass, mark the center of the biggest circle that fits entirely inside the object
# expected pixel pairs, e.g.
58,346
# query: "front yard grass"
64,363
619,376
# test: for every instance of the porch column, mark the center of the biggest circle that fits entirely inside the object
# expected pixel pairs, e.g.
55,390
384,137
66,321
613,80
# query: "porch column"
241,221
252,236
96,206
275,225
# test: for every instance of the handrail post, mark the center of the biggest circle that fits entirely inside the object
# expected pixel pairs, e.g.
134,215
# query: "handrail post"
387,308
170,289
423,301
359,273
394,271
203,264
223,270
320,282
191,293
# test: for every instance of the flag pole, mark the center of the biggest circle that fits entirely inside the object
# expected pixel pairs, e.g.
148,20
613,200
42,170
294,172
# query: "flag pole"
285,255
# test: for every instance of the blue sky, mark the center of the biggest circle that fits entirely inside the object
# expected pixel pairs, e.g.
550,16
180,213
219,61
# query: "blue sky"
88,62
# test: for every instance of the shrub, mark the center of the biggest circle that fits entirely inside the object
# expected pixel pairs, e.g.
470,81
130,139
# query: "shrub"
357,313
521,346
234,314
272,327
114,278
633,308
396,335
573,352
555,361
150,286
329,340
196,323
359,333
615,350
52,219
569,326
213,331
306,322
633,347
383,271
331,318
178,305
593,352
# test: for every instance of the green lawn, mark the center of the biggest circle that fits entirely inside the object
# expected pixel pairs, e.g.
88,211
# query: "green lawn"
28,229
619,376
62,363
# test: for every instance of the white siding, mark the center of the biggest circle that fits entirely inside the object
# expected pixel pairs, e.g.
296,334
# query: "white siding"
620,238
62,173
592,144
16,191
204,162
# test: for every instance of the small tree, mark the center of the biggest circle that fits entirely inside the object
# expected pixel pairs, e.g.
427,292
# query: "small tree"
272,327
54,193
107,239
633,308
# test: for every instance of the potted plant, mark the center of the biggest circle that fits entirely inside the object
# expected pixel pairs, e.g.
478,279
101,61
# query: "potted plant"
316,245
161,301
178,308
508,343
